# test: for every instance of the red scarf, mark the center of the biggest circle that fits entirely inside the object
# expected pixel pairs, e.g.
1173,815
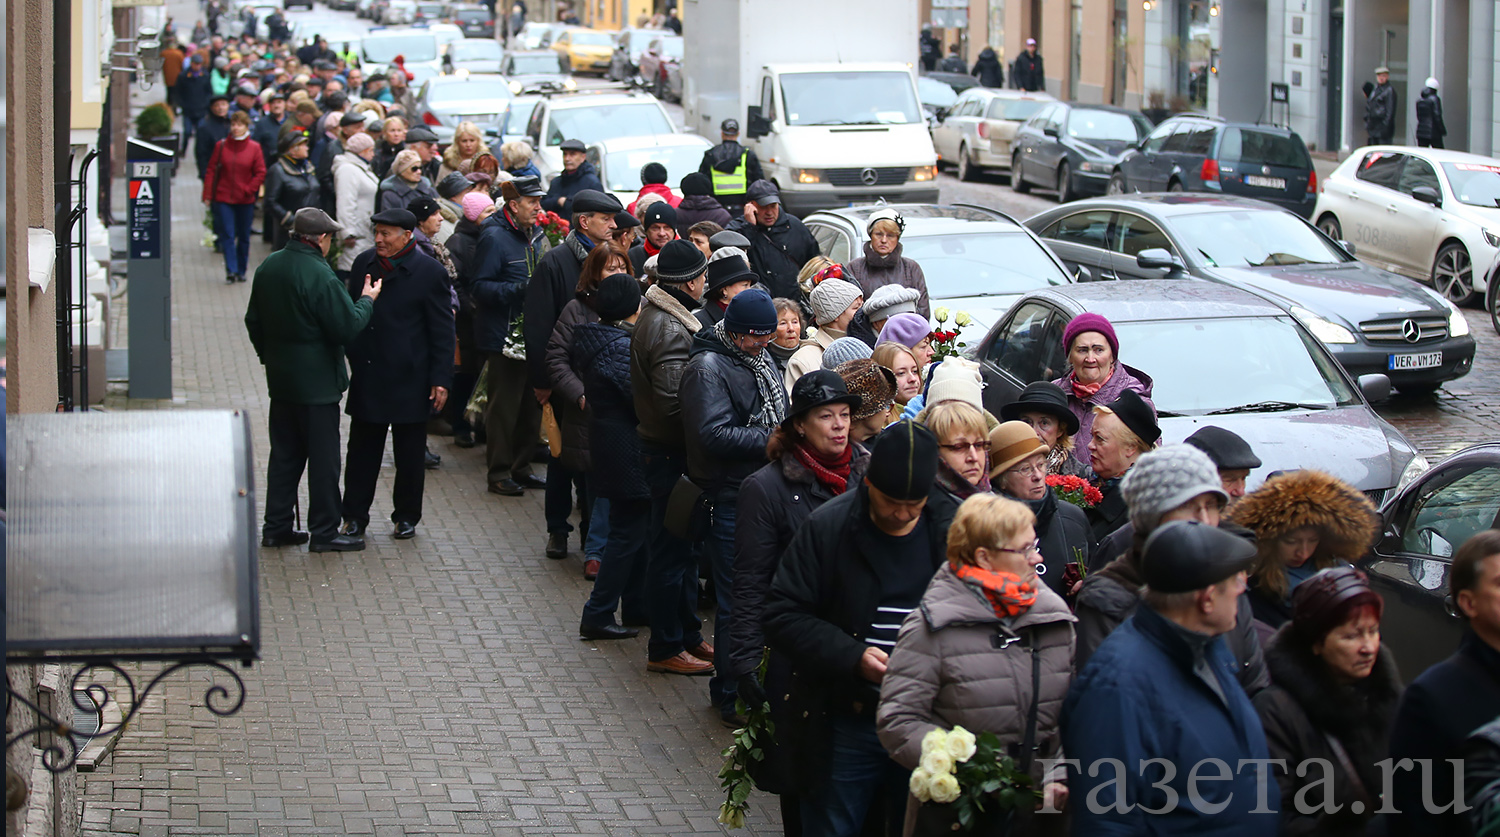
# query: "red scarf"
646,245
833,472
1086,391
1007,594
387,265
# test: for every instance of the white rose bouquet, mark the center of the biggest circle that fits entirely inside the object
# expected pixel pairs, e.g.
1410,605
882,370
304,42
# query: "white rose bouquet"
969,772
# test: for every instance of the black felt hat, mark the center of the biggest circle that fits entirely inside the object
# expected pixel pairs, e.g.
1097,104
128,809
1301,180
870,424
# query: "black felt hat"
1042,397
816,388
1137,415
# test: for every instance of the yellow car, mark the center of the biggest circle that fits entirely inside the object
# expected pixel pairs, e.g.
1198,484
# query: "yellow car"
586,50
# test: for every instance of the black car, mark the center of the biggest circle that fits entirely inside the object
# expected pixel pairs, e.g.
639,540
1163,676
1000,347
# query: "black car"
1194,153
476,21
1073,148
1371,320
1424,524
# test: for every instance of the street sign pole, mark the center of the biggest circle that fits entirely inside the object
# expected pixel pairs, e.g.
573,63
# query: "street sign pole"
149,223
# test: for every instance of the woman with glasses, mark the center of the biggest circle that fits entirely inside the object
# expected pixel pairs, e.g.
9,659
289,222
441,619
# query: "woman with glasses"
963,448
404,184
990,649
1018,471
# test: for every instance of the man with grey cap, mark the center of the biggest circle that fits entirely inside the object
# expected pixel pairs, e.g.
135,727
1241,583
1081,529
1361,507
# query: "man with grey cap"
1380,109
578,174
300,318
1176,482
1160,699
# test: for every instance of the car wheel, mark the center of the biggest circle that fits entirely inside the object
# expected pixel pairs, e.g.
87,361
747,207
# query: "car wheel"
1331,227
1494,301
1453,274
1174,186
966,168
1018,182
1065,183
1116,184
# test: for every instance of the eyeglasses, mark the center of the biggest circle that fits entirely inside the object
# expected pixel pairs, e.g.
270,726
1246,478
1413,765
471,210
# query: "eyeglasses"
965,447
1033,549
1027,470
415,168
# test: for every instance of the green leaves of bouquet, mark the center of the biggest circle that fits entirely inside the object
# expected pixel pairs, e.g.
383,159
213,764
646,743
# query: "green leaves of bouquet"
969,772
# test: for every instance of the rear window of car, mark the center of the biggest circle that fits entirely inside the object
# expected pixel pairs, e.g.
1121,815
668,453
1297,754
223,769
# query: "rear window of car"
1014,110
467,15
1264,148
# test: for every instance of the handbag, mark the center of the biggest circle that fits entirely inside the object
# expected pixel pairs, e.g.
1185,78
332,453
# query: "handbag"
688,511
554,432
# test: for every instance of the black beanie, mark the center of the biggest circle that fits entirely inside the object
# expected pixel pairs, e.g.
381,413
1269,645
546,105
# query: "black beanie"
653,173
904,461
660,212
697,183
618,297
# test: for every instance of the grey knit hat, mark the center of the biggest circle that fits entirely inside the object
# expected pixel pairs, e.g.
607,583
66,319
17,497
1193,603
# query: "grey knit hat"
887,301
1163,479
832,298
844,349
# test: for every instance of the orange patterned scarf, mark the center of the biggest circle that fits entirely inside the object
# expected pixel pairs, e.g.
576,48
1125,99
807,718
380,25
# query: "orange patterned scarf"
1007,594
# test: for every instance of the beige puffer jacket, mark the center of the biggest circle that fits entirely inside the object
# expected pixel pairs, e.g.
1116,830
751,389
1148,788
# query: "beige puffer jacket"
948,669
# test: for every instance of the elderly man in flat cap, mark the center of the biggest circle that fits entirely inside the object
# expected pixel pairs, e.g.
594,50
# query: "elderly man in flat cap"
300,319
402,368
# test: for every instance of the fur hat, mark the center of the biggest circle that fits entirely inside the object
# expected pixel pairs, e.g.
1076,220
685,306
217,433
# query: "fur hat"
875,384
829,300
1345,518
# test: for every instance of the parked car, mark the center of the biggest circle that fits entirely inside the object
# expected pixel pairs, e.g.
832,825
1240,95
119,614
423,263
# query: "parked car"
1288,397
1492,296
397,12
429,12
476,21
957,82
536,71
1424,524
976,260
1195,153
937,99
474,55
365,8
512,128
976,133
1426,213
445,101
417,47
630,43
1073,148
661,67
586,50
536,35
619,161
1371,320
591,117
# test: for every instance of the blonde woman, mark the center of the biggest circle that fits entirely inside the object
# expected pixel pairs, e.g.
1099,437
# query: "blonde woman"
963,447
903,364
515,157
468,141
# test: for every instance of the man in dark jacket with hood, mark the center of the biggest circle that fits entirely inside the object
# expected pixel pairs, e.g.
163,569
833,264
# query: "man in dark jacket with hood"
578,174
211,129
779,243
988,70
1029,74
954,63
851,574
931,47
730,167
732,399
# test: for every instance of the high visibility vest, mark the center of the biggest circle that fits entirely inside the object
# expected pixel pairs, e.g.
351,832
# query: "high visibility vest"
351,58
733,183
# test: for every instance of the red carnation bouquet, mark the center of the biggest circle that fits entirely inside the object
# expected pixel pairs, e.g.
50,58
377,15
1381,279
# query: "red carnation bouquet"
553,225
1075,490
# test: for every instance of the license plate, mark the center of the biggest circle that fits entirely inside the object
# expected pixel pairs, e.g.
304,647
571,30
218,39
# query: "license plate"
1265,182
1426,360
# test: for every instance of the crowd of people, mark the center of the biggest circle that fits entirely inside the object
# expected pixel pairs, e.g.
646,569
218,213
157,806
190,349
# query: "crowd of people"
731,413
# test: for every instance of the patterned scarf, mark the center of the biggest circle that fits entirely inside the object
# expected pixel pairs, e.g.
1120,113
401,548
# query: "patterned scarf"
1007,594
1086,391
767,380
954,483
388,265
833,473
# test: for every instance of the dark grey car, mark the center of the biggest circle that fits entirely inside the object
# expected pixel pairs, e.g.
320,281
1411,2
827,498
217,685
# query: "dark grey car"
1072,148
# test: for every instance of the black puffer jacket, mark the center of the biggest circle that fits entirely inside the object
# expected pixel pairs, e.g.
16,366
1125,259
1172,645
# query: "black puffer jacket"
719,397
1430,116
601,353
290,186
1305,705
988,70
462,246
1063,532
778,252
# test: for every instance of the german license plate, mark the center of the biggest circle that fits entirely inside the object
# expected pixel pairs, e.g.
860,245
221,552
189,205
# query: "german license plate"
1426,360
1265,182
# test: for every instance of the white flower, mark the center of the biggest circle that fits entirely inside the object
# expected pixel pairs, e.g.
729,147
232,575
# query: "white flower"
962,318
937,761
941,315
937,739
920,785
961,744
943,788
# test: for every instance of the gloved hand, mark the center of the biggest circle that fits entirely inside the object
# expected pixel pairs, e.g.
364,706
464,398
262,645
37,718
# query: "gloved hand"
750,691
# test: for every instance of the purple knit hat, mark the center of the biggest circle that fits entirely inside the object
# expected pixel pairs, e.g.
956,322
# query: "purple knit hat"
907,329
1091,322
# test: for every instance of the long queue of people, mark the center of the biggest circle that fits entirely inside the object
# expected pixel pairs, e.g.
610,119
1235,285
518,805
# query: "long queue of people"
885,557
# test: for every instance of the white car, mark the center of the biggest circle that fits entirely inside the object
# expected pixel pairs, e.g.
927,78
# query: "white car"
619,161
1430,214
399,11
977,131
590,118
417,47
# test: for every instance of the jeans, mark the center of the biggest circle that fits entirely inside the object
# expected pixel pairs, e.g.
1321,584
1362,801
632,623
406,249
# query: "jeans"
235,220
594,545
622,569
672,574
861,775
722,690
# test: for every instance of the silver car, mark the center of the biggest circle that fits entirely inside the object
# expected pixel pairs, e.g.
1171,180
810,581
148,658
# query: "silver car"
445,101
977,130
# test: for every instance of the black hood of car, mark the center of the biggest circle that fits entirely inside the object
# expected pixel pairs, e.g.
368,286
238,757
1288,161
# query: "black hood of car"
1353,292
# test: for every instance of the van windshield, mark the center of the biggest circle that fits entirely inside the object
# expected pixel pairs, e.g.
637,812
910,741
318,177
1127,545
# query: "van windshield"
851,98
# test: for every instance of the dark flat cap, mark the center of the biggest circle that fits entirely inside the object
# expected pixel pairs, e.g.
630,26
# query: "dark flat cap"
573,145
395,218
1228,451
453,185
728,238
277,94
352,118
420,133
530,186
313,221
763,193
904,461
593,200
422,207
624,220
1186,555
218,97
1137,415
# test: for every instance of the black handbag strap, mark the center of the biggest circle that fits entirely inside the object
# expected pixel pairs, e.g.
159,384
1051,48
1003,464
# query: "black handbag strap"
1028,745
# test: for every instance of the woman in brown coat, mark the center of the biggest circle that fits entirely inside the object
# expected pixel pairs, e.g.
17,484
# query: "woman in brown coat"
989,649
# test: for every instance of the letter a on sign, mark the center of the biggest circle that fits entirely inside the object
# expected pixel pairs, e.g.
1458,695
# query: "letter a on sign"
143,193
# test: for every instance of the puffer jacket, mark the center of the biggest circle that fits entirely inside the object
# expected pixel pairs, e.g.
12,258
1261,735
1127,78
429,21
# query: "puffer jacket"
461,246
354,185
236,171
1304,707
659,353
1124,377
695,208
504,259
1430,116
948,670
661,190
1063,532
778,252
873,270
290,186
396,192
601,352
567,385
719,397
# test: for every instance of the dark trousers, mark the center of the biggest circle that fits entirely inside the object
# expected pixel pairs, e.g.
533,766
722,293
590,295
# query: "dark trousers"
672,572
723,690
863,781
458,401
622,571
512,419
235,220
303,435
557,504
366,449
1429,142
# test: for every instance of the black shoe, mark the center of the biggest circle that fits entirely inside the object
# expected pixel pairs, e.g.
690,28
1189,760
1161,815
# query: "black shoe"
463,440
405,531
557,545
610,631
732,719
431,460
283,539
507,488
353,529
229,278
340,543
239,277
532,481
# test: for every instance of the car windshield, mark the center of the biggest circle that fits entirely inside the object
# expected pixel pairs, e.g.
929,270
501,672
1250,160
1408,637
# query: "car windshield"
467,91
622,169
638,39
588,37
672,48
850,99
1475,184
1264,148
935,93
982,264
518,117
1253,238
475,49
1193,374
601,122
533,64
1105,125
430,9
414,48
1014,110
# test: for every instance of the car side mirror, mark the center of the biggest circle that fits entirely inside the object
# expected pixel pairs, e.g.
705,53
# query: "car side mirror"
1050,131
1082,274
1157,258
756,124
1348,247
1374,387
1427,194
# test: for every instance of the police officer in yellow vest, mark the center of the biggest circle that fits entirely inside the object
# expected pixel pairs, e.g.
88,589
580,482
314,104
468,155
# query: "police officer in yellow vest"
731,167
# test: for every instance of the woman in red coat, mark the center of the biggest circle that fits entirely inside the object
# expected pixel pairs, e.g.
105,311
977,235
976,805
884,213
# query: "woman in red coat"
235,172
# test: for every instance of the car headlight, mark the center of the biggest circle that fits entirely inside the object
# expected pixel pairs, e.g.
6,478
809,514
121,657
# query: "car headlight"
922,174
570,84
516,87
1325,330
809,175
1088,166
1457,325
1493,239
1415,468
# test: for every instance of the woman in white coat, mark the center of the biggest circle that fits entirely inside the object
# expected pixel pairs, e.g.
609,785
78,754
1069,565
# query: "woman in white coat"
354,186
